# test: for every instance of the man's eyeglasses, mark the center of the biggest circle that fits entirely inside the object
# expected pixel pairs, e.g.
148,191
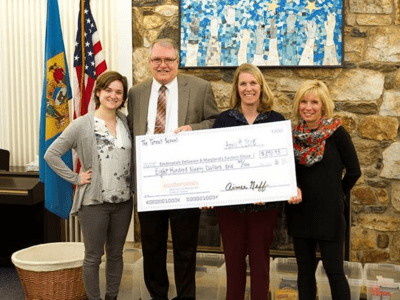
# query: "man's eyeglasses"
158,61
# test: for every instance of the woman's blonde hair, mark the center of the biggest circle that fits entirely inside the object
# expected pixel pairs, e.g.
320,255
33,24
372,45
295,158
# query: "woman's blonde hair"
319,89
266,96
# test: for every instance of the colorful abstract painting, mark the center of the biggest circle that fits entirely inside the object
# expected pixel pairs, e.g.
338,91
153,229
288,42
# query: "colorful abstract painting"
227,33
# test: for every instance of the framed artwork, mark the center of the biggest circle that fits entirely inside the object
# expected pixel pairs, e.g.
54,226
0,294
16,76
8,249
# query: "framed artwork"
267,33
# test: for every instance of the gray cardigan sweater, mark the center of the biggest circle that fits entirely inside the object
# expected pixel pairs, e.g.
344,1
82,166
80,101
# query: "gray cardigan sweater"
79,135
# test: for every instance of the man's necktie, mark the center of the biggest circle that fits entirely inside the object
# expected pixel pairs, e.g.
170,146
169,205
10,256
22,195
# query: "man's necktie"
161,111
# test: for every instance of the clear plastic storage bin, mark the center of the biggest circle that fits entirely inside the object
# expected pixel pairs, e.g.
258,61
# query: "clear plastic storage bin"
354,274
247,295
210,276
382,281
283,279
130,285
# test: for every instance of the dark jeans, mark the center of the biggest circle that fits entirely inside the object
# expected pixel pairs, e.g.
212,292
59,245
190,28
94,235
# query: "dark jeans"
184,230
332,259
104,224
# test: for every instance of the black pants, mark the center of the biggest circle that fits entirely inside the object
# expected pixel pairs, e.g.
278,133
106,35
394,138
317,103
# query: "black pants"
184,230
332,259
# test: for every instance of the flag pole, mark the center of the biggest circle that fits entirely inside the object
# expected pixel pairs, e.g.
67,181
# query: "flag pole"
82,83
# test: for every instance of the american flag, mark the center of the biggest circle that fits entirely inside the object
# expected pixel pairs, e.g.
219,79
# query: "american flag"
92,58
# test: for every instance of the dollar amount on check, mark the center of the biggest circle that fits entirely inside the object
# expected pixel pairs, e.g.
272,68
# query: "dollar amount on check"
215,167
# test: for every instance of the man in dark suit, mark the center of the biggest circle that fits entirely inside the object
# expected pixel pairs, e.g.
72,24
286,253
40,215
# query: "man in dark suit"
188,105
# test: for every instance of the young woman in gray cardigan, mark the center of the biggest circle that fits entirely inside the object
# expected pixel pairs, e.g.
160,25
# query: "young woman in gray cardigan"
103,197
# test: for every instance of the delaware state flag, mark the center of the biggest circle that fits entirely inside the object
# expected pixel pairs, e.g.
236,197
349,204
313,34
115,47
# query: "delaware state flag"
54,113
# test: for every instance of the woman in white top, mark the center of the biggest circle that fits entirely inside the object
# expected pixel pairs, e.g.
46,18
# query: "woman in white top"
103,197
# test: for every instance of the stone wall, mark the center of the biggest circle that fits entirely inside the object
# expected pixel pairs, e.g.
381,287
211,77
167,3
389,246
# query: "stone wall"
366,93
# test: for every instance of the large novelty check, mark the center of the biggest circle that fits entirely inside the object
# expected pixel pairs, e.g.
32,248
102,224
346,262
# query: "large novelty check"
215,167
